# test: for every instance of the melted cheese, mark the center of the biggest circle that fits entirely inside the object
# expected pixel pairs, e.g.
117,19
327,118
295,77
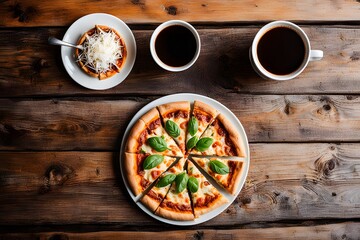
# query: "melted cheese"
179,198
205,188
178,121
158,132
101,51
217,149
176,169
161,167
204,163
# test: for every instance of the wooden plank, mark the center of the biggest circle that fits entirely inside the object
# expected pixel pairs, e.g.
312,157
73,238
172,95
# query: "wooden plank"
65,124
30,67
64,12
304,182
347,230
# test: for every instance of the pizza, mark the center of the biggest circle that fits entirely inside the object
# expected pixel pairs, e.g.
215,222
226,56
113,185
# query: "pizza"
157,193
175,118
227,173
170,160
144,169
177,205
205,197
104,52
202,116
222,139
148,136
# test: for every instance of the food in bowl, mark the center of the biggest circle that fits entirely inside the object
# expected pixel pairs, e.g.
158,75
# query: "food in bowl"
104,52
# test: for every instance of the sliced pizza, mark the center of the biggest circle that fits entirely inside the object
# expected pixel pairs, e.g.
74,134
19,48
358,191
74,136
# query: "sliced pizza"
227,173
205,197
176,205
202,116
148,136
157,193
220,139
175,117
144,169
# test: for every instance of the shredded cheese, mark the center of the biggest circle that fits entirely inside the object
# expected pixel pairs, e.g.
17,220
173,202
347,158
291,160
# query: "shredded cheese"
101,51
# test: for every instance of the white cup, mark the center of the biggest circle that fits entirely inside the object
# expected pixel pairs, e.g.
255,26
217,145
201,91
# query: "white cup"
162,27
310,55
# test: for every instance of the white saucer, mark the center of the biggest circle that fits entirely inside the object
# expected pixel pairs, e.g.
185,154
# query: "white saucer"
73,34
222,109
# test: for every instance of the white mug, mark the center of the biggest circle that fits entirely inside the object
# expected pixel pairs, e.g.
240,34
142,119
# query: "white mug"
155,55
310,55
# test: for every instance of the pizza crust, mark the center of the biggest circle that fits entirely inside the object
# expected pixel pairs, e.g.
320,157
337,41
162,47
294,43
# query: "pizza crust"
130,165
236,178
198,105
173,107
132,143
150,116
180,216
234,136
150,203
219,201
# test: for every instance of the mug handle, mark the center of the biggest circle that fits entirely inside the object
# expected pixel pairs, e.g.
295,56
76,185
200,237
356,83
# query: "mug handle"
316,55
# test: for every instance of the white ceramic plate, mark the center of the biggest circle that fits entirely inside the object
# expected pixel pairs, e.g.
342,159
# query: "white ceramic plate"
222,109
73,34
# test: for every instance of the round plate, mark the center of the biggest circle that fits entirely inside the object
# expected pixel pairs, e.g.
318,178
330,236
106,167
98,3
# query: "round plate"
73,34
222,109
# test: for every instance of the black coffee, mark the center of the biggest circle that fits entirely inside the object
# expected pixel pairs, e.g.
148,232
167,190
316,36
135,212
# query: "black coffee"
175,46
281,51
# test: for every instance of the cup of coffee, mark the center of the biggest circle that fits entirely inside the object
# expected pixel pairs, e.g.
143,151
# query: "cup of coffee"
175,45
281,51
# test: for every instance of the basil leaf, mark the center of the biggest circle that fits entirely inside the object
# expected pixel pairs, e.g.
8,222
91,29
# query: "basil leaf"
157,143
166,180
181,182
219,167
193,126
152,161
192,142
172,128
204,143
142,151
193,184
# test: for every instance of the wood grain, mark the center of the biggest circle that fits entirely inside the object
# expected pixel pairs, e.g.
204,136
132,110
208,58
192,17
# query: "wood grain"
94,124
304,182
64,12
30,67
347,230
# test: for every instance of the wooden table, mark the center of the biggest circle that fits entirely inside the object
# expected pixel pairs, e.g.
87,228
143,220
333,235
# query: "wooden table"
59,142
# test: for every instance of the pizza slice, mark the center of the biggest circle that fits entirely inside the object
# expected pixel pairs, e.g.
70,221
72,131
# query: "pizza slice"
177,204
148,136
202,116
175,117
143,169
205,197
157,193
227,173
220,139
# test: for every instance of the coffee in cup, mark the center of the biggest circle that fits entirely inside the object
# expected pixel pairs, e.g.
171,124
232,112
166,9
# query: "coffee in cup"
175,45
281,51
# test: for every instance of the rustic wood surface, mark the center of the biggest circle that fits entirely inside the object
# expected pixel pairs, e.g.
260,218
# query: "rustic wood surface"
30,67
64,12
86,124
302,183
59,142
348,230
